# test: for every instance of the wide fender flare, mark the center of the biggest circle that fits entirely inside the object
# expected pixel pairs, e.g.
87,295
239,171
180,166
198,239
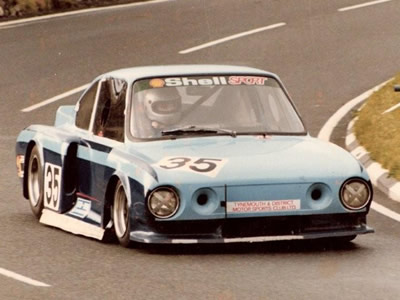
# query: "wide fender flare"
133,188
31,138
31,144
126,185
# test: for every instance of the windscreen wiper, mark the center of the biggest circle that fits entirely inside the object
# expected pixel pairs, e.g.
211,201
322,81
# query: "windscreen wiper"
193,129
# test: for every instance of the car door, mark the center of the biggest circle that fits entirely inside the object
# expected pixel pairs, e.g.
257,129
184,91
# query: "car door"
102,132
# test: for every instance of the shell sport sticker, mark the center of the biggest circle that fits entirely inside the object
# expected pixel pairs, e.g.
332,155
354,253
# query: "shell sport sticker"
156,83
52,186
206,81
216,80
200,165
247,80
262,206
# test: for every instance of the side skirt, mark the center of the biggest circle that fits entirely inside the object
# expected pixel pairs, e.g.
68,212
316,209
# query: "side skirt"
71,224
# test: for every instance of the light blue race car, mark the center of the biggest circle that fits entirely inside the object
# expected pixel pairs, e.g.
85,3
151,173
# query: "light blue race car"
190,154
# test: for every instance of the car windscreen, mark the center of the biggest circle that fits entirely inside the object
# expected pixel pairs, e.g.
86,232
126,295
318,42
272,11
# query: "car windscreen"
211,105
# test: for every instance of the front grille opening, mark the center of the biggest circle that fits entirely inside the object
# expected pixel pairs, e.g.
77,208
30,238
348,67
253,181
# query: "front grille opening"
202,199
316,194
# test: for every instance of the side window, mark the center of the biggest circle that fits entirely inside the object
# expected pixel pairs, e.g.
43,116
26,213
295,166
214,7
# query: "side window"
109,118
85,109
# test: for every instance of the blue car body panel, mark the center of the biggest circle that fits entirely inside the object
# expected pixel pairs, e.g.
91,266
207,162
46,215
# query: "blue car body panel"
258,179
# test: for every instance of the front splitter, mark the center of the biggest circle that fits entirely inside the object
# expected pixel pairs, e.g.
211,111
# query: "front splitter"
155,238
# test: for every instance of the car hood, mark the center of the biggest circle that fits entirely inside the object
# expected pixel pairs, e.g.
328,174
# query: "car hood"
246,159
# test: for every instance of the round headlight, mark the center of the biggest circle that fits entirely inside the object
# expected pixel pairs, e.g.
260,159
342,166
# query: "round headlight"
163,202
355,193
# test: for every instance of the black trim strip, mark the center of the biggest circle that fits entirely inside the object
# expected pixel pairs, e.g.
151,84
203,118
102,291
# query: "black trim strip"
95,146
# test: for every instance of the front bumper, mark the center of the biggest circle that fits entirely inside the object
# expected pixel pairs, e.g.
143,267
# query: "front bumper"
252,229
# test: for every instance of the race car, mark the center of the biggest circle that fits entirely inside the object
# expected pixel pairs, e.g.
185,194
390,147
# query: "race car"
190,154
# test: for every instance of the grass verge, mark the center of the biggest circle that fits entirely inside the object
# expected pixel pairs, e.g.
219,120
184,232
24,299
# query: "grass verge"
379,132
16,9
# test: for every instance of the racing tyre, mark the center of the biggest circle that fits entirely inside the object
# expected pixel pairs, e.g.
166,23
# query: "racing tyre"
35,182
121,216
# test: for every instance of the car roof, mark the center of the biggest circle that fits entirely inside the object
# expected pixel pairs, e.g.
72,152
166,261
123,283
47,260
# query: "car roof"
132,74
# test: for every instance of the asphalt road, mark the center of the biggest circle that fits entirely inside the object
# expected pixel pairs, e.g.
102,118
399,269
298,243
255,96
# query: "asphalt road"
326,57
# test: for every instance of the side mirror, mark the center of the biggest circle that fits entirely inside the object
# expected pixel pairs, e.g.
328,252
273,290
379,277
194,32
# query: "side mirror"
397,88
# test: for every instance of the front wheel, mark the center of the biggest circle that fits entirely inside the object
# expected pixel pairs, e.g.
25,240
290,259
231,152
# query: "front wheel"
121,216
35,182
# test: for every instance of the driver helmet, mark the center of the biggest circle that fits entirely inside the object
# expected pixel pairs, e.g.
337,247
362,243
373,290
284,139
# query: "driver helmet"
163,105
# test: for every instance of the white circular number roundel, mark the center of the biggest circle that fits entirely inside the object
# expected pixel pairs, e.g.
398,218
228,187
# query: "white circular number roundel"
52,186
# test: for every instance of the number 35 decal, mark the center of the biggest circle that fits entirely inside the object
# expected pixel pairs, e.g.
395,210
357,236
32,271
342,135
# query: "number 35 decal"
52,186
205,166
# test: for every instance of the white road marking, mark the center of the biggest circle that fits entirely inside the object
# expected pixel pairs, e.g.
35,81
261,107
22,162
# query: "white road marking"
350,138
81,88
22,278
54,99
327,129
10,24
391,109
362,5
232,37
385,211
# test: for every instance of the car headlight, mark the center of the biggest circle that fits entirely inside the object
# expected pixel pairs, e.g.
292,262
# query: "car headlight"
355,193
163,202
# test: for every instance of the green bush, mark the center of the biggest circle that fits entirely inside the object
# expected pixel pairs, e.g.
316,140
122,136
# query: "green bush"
32,6
26,8
59,4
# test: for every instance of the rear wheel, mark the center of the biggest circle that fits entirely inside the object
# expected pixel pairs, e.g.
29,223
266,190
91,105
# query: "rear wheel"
121,216
35,182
